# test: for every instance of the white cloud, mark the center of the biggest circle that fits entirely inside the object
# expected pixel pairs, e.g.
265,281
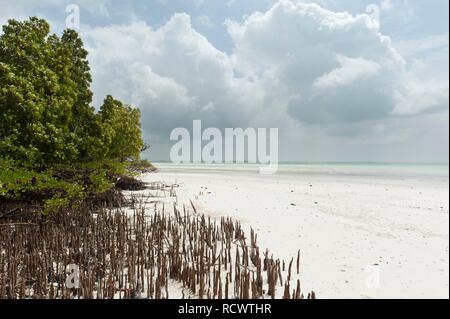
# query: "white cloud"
420,97
174,77
349,71
299,67
295,45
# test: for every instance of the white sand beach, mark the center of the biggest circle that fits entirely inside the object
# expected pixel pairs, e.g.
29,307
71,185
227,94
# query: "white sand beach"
364,231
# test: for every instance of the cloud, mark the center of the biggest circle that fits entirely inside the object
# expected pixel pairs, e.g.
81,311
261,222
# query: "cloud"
176,75
205,21
305,69
334,66
330,81
349,71
423,97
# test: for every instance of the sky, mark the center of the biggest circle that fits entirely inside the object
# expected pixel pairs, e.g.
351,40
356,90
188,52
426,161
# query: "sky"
342,80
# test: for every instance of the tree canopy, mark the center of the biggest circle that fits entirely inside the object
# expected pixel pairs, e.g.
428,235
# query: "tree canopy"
122,123
46,114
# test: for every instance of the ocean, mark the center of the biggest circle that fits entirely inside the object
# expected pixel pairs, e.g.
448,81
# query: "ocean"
385,170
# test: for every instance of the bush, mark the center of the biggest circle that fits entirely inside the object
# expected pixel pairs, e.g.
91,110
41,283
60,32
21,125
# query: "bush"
53,193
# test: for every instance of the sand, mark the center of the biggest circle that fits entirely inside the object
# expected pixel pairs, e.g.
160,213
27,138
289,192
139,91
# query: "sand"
364,231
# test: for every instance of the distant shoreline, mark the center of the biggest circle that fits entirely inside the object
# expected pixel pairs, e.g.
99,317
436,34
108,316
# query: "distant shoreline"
398,171
356,163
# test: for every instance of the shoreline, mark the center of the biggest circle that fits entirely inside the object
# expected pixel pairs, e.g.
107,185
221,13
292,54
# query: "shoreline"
350,229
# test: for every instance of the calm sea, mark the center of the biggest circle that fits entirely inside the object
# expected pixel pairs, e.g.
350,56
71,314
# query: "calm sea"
440,171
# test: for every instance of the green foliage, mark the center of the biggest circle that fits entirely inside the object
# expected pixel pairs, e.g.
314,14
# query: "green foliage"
46,115
60,186
112,167
54,204
99,182
16,183
53,144
122,129
85,124
36,94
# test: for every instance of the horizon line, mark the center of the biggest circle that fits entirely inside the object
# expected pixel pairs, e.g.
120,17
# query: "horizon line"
312,162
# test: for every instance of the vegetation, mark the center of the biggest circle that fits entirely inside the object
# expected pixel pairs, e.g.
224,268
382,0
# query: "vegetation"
132,257
53,143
